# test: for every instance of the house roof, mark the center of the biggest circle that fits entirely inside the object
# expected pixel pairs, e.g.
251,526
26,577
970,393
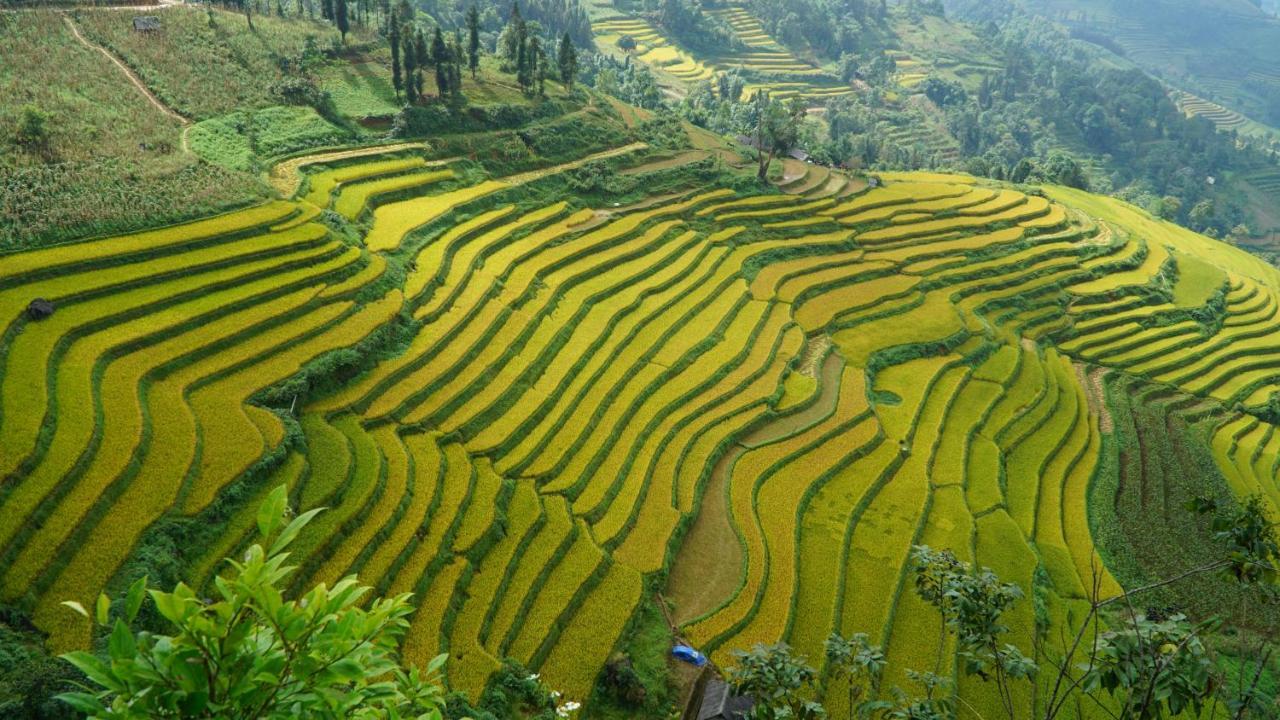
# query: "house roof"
720,703
146,22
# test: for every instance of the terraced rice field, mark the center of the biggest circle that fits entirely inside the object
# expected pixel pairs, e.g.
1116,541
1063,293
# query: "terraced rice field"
1221,117
771,66
574,390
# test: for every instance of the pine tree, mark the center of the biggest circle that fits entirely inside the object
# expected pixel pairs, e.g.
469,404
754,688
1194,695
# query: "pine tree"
538,67
423,54
410,54
568,59
440,55
343,23
473,40
522,65
394,39
455,67
516,35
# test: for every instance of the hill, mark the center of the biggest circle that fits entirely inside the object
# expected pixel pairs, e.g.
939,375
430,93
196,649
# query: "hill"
529,407
226,101
566,371
1224,50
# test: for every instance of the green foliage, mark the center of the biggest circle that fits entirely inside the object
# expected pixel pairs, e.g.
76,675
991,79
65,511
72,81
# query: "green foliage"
1157,668
241,140
29,676
253,653
777,681
1249,536
513,693
33,127
861,665
971,603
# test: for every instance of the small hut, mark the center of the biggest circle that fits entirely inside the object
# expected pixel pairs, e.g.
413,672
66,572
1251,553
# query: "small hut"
39,309
146,24
720,703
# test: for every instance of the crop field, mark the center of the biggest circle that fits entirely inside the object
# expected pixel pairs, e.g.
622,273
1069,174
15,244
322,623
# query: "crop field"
524,409
767,64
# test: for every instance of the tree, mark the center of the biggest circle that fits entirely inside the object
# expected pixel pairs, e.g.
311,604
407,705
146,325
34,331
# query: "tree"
778,681
514,36
326,9
440,56
970,603
861,665
537,65
393,38
1160,667
1169,207
524,65
247,7
252,652
473,40
423,58
410,53
777,129
341,20
1151,665
568,61
1022,171
33,127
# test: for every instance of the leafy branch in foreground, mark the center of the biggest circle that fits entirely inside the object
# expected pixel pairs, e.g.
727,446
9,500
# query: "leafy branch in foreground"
252,653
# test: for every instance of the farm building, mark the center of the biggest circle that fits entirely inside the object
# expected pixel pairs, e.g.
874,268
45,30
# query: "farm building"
720,703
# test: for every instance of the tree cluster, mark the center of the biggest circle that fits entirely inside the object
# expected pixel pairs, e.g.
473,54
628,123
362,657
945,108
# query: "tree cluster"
414,56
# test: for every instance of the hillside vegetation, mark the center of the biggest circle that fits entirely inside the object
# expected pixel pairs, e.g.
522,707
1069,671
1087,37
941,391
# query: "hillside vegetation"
586,378
564,393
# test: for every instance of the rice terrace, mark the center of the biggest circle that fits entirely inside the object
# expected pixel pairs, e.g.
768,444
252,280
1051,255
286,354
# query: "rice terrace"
635,407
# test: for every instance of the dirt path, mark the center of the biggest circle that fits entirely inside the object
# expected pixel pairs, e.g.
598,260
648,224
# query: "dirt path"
708,566
532,175
133,77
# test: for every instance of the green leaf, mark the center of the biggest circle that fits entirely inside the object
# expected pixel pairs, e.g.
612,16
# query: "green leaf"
76,606
292,530
103,608
271,512
84,702
168,605
133,601
121,645
93,668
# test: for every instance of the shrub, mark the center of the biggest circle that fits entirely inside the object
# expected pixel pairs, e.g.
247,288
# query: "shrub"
252,650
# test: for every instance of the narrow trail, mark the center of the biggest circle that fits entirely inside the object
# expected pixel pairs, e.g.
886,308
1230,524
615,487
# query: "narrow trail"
133,78
708,566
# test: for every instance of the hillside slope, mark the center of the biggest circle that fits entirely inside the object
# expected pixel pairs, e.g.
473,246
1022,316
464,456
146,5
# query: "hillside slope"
535,396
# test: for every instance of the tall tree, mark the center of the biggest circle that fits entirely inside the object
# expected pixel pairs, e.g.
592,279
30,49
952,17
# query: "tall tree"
473,40
457,54
393,38
341,20
777,128
568,60
410,53
440,55
326,9
515,35
422,52
539,67
247,7
523,77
